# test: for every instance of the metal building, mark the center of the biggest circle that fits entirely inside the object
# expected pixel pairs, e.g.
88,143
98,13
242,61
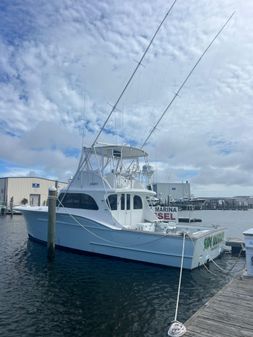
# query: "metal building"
168,192
26,190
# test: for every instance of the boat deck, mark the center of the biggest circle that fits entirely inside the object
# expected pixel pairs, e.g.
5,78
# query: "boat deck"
227,314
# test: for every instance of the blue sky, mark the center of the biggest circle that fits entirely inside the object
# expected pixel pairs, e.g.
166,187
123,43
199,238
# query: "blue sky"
64,63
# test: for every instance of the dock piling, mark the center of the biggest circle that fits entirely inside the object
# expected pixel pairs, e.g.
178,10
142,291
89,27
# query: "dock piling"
248,239
52,196
11,206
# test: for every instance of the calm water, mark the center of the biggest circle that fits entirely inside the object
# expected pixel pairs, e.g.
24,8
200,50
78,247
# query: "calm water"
235,222
80,295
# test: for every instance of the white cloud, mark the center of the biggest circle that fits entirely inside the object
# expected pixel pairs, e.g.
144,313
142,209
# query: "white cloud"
62,64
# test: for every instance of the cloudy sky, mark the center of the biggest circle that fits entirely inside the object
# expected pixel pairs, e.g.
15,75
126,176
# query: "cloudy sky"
63,64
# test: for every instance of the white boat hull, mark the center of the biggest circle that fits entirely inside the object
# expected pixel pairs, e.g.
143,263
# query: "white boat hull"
79,233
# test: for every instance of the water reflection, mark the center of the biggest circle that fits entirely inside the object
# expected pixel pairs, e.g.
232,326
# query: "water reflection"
79,295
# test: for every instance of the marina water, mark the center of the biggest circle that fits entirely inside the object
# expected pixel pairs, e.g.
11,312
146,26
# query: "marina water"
80,295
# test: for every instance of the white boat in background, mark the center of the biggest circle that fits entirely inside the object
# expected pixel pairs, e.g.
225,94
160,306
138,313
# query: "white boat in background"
105,210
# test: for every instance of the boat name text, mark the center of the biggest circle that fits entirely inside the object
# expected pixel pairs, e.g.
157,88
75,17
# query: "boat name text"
165,209
165,216
213,240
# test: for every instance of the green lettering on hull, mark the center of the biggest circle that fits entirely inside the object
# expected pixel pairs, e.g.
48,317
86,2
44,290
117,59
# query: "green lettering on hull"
214,240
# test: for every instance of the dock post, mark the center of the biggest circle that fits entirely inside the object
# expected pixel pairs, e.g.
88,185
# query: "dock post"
52,196
248,239
11,206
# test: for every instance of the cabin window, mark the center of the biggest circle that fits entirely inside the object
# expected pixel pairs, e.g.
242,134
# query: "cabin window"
137,202
87,202
128,201
116,154
77,200
112,202
122,201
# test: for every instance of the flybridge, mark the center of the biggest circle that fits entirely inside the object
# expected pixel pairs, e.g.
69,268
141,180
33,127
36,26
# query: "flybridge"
117,151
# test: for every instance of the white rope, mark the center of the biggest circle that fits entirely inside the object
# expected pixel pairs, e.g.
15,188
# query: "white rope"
209,271
74,217
233,266
219,267
180,277
177,328
227,272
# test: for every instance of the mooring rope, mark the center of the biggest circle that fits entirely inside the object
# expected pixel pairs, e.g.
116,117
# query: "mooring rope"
233,266
137,244
177,328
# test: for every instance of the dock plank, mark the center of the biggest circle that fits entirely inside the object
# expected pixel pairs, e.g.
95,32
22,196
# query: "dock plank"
227,314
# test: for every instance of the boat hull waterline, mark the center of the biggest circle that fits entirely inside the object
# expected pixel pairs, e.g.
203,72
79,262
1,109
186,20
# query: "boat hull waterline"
86,235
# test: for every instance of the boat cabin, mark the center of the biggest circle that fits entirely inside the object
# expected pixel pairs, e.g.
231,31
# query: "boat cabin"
113,179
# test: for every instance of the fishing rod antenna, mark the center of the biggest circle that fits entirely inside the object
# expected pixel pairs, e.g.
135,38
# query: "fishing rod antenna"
133,73
187,78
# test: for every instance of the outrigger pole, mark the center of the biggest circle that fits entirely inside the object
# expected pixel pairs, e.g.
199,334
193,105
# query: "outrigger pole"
82,159
186,79
133,74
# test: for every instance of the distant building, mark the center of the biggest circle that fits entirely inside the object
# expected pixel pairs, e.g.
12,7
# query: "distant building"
168,192
26,190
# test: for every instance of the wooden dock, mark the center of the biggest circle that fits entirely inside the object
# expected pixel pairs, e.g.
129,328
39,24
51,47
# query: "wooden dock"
228,314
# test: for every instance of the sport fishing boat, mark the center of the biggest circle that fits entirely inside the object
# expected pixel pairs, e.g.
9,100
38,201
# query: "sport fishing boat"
105,210
106,207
